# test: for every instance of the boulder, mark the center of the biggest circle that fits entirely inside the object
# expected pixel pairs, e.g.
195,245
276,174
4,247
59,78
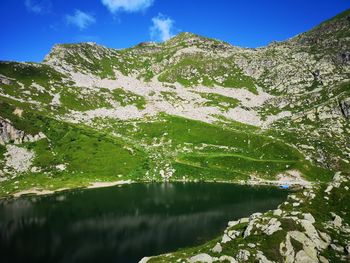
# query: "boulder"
309,218
244,220
347,248
203,258
232,223
309,247
337,177
326,238
277,212
337,248
233,234
255,216
243,255
261,258
225,238
312,233
337,220
227,259
328,189
249,228
272,226
217,248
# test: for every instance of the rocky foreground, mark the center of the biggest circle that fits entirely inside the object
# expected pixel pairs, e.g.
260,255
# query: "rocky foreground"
305,228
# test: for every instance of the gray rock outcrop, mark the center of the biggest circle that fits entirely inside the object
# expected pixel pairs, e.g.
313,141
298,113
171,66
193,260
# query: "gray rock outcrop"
345,108
9,134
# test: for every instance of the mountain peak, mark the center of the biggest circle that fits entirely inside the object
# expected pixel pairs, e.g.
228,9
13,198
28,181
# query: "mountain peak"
327,34
185,36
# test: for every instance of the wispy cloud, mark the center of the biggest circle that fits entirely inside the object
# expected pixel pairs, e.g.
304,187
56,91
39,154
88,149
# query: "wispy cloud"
80,19
38,6
162,28
130,6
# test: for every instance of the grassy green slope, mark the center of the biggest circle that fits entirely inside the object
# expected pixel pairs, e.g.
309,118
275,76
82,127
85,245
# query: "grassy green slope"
88,155
201,151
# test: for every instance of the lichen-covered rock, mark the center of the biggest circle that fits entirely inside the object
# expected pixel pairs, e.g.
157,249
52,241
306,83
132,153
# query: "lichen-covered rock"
272,226
243,255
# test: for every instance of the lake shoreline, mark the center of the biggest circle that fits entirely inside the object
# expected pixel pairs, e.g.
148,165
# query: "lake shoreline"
92,185
294,185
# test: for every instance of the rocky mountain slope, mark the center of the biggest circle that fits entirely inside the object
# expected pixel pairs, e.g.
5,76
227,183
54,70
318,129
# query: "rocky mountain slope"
189,109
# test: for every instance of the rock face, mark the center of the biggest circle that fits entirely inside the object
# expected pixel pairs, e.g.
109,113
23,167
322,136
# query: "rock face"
9,133
345,108
5,80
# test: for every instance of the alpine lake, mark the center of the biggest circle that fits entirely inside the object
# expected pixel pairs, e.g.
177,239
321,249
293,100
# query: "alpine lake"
124,223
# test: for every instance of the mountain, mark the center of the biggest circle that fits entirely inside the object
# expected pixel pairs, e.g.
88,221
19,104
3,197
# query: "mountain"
194,109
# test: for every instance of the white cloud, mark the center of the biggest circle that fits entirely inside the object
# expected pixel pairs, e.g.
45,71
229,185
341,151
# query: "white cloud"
162,28
80,19
38,6
127,5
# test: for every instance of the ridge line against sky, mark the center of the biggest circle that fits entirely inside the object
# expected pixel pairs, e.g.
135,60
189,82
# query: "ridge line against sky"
32,27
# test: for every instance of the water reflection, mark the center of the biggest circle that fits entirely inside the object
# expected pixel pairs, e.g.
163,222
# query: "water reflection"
123,224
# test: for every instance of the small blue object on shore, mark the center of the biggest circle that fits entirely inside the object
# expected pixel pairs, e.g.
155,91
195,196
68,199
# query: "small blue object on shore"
285,186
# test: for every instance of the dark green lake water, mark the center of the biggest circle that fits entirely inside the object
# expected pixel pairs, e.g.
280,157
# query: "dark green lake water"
123,224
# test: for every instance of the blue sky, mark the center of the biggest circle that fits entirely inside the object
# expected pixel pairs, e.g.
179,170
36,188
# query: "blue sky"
31,27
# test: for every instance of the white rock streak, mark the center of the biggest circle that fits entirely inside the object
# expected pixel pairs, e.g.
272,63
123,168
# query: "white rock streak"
187,101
